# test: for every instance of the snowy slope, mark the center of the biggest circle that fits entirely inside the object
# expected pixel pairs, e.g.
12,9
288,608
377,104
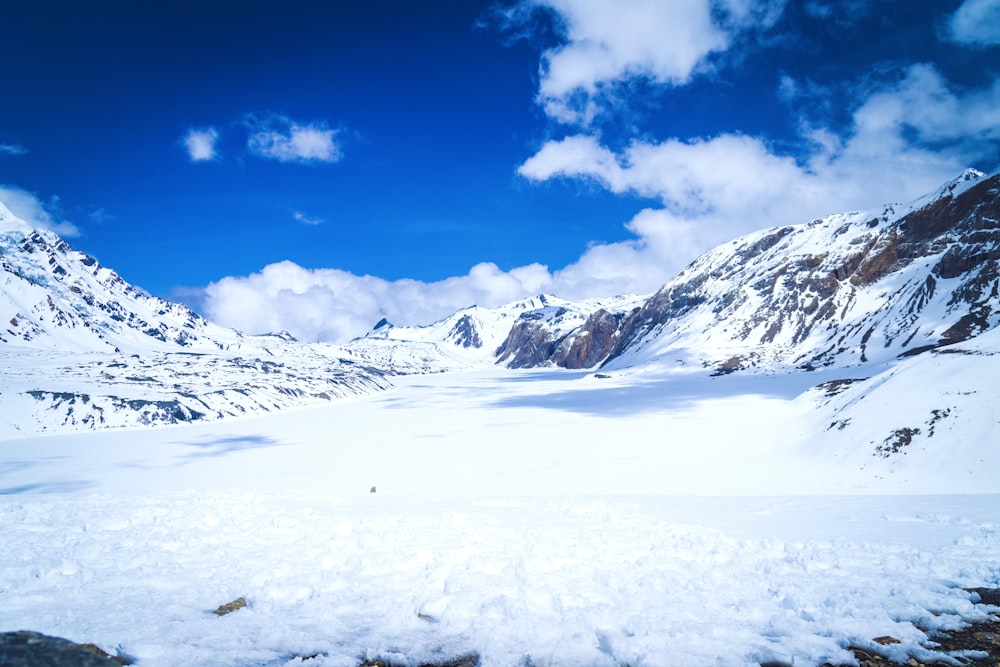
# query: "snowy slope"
531,517
929,416
81,349
331,581
838,291
56,298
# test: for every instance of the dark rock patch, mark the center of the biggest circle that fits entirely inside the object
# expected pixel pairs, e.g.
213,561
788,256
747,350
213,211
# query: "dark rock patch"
33,649
977,645
897,442
467,660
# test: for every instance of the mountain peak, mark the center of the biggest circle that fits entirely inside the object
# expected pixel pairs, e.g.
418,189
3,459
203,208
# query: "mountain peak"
952,188
970,174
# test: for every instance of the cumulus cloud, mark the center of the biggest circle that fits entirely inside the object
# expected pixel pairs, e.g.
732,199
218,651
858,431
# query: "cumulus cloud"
607,43
906,139
335,305
200,144
976,22
280,138
13,149
26,206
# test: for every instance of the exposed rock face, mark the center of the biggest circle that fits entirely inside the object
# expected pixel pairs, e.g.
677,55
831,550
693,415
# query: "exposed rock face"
466,333
468,660
533,341
530,341
840,290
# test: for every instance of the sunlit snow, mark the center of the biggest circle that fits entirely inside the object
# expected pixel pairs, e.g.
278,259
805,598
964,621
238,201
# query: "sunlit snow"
533,518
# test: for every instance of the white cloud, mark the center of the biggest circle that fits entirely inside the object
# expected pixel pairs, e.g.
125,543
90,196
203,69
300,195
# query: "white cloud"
100,216
710,190
923,103
842,13
13,149
306,219
335,305
28,208
977,22
607,43
906,140
200,144
280,138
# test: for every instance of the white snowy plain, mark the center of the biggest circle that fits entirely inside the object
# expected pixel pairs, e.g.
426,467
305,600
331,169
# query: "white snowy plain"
534,518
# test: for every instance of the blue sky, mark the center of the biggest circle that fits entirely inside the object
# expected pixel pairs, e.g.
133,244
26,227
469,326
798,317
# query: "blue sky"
315,166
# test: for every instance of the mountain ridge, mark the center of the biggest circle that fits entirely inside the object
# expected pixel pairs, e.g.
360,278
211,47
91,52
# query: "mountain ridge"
84,349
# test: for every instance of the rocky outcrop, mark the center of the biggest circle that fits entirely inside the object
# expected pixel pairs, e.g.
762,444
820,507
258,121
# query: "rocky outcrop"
840,290
466,333
33,649
534,342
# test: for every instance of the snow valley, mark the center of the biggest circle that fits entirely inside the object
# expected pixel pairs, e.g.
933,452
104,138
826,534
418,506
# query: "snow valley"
555,480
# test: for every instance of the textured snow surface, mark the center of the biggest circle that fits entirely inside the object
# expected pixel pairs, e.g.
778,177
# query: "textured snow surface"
536,518
521,581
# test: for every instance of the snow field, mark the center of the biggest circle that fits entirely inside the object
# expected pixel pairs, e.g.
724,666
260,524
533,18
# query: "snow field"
485,432
536,518
528,581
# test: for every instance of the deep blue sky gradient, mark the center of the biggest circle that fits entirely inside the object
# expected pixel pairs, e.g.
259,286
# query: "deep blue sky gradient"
434,107
434,113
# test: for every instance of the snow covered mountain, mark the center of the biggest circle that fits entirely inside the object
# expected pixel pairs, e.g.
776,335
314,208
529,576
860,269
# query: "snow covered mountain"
80,348
57,298
839,291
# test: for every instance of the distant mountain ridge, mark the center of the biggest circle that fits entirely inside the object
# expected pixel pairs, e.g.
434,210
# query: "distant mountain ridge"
542,330
55,296
83,349
838,291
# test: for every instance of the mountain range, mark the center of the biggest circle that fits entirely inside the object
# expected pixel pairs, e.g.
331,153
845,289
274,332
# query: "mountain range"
865,301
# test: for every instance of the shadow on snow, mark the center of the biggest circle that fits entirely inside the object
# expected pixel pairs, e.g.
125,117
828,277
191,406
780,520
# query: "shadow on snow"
652,394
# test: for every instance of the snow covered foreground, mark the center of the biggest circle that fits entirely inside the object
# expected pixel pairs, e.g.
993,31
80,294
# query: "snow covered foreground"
534,518
529,581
